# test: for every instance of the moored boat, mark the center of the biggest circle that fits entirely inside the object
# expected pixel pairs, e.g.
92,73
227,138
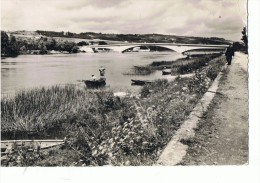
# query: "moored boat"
7,146
166,71
95,83
140,82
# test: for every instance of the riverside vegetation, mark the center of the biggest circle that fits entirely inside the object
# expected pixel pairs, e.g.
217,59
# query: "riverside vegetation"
100,128
12,46
179,66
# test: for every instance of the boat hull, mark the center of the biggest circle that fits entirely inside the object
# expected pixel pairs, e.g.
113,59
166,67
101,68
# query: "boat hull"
166,72
95,84
139,82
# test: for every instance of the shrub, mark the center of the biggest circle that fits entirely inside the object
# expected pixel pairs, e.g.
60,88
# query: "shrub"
200,82
155,86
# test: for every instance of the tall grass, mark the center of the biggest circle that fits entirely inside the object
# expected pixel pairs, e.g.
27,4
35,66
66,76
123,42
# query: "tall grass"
140,70
184,66
179,66
42,108
101,128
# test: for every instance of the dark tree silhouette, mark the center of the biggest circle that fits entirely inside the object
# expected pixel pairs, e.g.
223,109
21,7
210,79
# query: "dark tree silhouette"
4,43
244,38
9,47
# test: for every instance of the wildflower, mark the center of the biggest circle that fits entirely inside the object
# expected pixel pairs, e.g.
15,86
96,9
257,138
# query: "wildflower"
145,143
184,88
145,124
110,155
138,138
127,163
103,151
125,130
94,153
112,145
110,140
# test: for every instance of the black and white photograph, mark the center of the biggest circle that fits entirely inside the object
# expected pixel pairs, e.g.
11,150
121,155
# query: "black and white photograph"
125,83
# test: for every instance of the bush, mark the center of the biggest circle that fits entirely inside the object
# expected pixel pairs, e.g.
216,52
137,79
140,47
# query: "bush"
200,82
156,86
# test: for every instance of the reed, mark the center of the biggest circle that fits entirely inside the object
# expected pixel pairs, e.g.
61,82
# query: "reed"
179,66
186,65
102,129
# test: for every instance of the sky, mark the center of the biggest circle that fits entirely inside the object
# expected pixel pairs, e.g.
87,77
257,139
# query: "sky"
205,18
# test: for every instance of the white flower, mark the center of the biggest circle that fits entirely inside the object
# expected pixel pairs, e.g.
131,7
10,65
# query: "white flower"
94,153
127,163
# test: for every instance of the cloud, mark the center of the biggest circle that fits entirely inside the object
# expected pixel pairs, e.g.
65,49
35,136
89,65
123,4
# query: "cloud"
106,3
181,17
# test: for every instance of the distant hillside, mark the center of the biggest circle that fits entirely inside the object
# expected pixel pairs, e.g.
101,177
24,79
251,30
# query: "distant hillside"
149,38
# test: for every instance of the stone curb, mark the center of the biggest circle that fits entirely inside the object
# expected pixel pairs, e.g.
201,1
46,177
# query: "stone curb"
175,150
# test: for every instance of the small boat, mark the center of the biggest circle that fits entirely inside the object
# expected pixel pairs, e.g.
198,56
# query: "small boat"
7,146
166,71
140,82
95,83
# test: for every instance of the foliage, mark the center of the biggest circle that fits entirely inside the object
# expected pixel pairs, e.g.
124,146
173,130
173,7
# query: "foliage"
200,82
14,46
9,46
179,66
141,70
102,129
244,38
82,43
238,46
193,64
149,38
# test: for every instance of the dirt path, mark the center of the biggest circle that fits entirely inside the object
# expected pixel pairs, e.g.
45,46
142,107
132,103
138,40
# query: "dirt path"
222,136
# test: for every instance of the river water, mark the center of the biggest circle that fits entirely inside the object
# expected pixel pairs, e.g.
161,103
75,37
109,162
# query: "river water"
30,71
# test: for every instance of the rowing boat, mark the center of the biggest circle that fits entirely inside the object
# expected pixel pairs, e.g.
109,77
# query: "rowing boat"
95,83
7,146
166,71
140,82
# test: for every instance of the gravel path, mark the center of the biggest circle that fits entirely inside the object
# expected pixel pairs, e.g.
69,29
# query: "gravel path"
222,135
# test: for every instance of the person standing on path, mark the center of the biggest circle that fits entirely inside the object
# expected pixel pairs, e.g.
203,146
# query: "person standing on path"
222,136
229,54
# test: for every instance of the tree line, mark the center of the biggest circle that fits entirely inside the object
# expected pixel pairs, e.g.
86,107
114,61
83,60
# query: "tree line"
9,45
12,46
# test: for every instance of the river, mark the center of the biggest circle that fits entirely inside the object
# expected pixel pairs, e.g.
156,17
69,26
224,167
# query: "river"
30,71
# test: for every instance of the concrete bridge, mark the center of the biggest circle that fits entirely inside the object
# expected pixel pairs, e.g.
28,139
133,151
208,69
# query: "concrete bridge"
180,48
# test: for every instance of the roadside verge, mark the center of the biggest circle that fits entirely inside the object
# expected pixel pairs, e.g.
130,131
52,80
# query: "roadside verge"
176,149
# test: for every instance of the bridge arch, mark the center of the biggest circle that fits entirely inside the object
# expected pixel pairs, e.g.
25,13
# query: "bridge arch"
153,47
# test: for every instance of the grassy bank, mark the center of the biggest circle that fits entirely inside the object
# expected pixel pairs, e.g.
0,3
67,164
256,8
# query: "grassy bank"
179,66
100,128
